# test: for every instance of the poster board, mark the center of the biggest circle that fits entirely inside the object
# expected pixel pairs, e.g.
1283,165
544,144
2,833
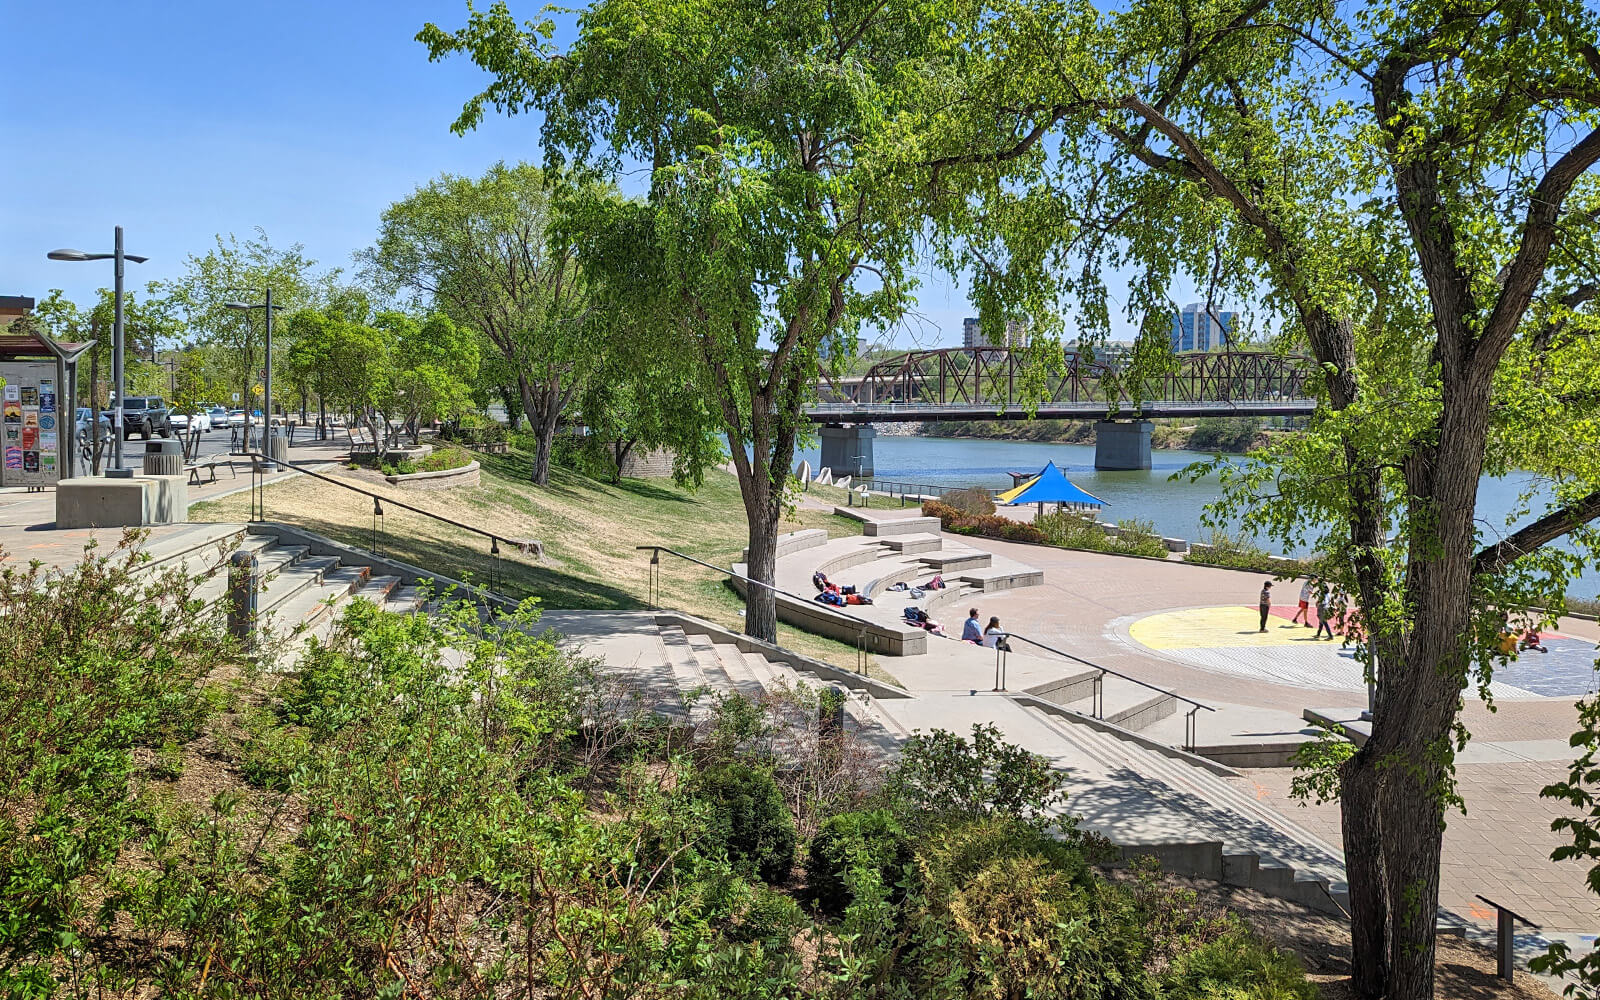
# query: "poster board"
33,409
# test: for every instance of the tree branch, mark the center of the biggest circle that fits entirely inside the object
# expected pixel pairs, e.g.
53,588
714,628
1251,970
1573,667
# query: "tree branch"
1553,525
1527,268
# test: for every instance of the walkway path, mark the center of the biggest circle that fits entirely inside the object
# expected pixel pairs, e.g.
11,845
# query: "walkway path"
27,520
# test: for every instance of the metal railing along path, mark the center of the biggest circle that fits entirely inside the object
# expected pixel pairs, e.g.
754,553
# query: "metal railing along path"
261,464
864,637
1097,699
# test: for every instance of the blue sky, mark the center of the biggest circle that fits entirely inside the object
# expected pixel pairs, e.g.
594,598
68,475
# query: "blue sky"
179,120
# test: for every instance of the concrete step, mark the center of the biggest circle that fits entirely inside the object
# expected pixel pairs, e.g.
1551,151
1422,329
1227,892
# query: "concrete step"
898,526
215,587
276,558
316,604
1002,579
913,543
1261,849
954,562
292,579
403,600
198,547
710,664
687,674
738,670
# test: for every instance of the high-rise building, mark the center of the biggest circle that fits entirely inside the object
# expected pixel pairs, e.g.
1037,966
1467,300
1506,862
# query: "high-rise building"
1016,334
1196,329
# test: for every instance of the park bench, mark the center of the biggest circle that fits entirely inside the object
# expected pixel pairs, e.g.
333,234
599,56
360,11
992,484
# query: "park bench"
193,464
361,441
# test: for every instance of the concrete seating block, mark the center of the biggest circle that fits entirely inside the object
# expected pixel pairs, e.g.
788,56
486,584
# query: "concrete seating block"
98,502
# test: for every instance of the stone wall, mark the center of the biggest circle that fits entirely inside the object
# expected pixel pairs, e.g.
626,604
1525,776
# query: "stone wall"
648,464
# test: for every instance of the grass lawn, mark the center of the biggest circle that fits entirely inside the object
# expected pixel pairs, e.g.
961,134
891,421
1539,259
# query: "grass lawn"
589,530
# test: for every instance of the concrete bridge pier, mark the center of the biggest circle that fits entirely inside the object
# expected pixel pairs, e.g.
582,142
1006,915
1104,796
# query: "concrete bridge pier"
1121,444
847,449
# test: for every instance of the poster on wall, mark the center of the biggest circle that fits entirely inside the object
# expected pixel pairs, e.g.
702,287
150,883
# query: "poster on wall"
30,413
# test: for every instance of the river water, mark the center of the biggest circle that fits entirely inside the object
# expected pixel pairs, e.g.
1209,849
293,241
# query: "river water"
1173,506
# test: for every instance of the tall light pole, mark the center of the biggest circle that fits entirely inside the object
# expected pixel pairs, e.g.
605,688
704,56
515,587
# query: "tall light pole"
266,307
117,256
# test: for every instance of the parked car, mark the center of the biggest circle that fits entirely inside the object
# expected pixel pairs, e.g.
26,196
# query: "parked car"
182,422
235,418
218,416
84,415
145,415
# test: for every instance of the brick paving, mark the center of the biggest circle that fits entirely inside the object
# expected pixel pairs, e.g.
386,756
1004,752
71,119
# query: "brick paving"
1500,848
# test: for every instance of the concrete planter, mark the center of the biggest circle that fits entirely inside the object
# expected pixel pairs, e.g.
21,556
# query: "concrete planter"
467,475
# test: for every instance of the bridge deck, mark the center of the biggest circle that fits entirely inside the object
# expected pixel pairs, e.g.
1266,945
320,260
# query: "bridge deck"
879,413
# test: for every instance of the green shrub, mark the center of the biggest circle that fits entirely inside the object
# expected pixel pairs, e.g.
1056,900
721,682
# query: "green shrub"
1008,910
870,839
1237,552
748,820
1139,538
1237,966
990,525
972,500
941,775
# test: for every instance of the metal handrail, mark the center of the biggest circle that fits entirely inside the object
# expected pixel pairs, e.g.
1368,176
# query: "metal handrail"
1097,700
259,463
654,585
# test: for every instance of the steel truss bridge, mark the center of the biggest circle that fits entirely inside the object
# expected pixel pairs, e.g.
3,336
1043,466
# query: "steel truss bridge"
991,383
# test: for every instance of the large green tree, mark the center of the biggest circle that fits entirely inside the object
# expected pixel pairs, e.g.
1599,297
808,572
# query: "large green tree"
238,270
485,252
798,155
1408,188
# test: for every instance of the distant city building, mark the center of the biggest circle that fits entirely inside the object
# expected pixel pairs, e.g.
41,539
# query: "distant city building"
972,335
1195,329
1113,354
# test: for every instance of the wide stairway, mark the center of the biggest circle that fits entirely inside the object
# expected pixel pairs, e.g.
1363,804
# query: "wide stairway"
301,593
1199,817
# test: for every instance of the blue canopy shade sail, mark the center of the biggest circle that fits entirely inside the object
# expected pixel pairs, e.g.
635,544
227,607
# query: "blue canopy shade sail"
1049,486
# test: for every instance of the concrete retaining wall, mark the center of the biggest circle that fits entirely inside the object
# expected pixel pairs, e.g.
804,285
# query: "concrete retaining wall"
444,479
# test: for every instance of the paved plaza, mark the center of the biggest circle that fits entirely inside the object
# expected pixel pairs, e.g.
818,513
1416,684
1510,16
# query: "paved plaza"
1194,630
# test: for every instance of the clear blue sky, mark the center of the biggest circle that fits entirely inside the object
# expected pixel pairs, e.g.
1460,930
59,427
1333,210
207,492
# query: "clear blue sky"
180,120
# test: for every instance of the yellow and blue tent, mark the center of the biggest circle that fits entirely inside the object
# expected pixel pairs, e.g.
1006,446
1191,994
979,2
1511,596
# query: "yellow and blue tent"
1049,486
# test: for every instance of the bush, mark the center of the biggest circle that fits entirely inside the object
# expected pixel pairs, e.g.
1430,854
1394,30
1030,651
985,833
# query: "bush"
1074,530
1011,911
972,500
1238,552
1237,966
749,821
871,840
960,522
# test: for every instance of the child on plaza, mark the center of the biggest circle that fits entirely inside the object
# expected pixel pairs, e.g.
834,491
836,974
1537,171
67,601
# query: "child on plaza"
1266,603
1304,611
1324,612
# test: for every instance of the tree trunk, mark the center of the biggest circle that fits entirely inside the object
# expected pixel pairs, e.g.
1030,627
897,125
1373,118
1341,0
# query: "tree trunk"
761,604
620,450
542,406
1415,820
1363,854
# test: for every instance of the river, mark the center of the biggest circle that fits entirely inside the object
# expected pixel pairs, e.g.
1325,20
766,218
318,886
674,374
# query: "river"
1173,506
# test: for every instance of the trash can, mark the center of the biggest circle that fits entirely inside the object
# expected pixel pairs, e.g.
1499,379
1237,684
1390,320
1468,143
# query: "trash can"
163,458
278,447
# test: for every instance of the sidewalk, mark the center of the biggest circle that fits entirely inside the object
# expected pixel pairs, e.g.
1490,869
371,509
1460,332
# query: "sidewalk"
27,520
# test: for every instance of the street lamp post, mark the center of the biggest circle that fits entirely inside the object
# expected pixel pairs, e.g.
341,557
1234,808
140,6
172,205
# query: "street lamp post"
266,307
117,256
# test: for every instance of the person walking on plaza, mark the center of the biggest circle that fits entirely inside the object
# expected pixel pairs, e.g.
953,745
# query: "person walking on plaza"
1266,603
972,631
1324,612
1304,611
